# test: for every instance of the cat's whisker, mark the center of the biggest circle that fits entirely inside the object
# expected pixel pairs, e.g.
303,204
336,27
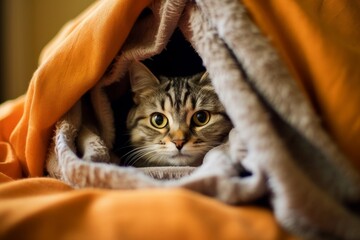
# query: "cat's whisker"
134,150
138,157
133,158
137,154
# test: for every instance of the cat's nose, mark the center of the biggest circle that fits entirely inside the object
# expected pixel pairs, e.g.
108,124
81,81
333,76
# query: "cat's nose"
178,143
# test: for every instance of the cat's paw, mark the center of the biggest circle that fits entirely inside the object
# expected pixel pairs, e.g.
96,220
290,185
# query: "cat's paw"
91,147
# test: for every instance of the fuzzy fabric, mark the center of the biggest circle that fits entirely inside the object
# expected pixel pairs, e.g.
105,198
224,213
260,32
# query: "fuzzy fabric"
277,150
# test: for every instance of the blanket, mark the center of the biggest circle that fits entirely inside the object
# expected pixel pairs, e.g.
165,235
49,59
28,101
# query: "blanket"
278,150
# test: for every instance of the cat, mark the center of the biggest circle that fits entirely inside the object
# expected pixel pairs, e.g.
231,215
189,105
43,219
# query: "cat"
174,121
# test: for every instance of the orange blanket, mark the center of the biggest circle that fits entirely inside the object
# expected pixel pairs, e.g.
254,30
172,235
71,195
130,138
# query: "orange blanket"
318,40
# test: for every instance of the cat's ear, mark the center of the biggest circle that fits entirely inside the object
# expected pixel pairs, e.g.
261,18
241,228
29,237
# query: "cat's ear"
142,81
204,78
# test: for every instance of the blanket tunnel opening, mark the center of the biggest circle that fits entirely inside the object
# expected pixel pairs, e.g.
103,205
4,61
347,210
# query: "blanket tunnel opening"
178,59
101,138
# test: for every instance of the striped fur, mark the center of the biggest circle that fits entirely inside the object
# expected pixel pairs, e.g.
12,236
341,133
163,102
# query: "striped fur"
181,142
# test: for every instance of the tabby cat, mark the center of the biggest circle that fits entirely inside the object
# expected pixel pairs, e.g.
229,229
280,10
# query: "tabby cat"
174,121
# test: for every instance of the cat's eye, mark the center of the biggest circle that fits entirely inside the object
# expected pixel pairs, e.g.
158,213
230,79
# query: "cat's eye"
201,118
158,120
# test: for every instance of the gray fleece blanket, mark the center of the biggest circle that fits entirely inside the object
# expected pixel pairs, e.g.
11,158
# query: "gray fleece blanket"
277,138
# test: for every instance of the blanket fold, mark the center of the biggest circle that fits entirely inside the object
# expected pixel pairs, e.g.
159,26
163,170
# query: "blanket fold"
281,148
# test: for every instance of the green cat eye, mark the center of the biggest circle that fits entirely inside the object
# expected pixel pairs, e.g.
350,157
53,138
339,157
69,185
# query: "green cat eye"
201,118
158,120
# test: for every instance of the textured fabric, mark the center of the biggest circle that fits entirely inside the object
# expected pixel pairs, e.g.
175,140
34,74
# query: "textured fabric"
317,39
41,208
80,70
319,42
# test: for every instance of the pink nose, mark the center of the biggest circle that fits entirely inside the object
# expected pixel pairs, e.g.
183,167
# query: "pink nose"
178,143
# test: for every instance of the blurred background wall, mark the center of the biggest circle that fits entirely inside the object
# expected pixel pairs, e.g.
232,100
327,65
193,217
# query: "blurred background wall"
25,27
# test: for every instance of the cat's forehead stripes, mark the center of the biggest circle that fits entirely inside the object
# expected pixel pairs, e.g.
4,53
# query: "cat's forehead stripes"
162,104
178,92
169,99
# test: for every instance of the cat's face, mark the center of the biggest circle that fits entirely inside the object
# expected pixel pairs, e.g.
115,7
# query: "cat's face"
174,121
